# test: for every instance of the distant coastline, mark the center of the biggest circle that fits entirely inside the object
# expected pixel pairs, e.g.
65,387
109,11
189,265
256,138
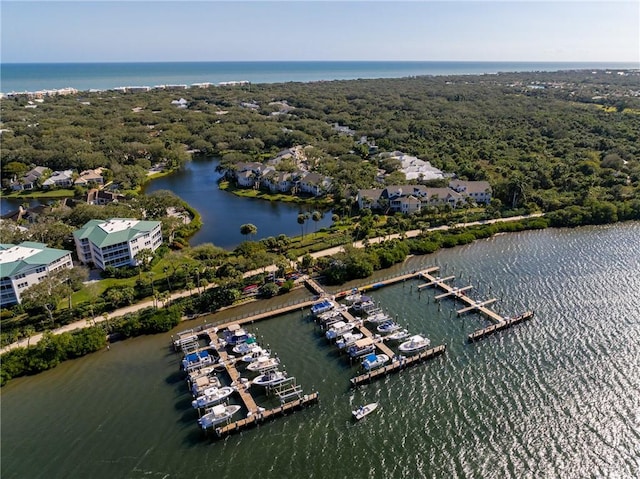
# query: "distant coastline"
31,77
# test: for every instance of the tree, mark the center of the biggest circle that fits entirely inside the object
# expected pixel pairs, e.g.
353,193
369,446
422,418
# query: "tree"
316,216
143,258
248,229
302,217
47,293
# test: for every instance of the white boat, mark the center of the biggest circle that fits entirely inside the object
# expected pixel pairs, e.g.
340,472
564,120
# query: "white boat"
373,361
246,347
362,411
235,335
398,335
364,306
203,381
348,339
378,317
212,396
388,327
361,347
339,328
197,360
329,315
263,363
217,414
255,354
414,344
270,378
321,307
354,297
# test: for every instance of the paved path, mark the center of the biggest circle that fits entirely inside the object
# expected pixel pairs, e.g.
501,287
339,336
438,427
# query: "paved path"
85,323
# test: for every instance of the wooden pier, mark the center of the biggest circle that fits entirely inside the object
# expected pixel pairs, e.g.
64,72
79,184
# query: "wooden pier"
261,416
481,333
388,281
398,363
500,322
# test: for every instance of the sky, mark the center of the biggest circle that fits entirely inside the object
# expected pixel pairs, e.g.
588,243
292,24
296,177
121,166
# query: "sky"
453,30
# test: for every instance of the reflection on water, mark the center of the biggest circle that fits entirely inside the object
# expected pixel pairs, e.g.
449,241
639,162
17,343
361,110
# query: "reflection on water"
223,213
553,397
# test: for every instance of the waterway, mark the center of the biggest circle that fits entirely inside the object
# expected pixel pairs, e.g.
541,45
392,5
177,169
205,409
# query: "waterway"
555,397
223,213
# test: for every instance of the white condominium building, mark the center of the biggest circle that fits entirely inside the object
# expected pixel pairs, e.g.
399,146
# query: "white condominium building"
116,242
27,264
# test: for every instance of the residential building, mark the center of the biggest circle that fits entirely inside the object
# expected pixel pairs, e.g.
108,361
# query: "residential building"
314,184
90,176
478,191
30,180
414,168
27,264
59,179
103,197
116,242
278,181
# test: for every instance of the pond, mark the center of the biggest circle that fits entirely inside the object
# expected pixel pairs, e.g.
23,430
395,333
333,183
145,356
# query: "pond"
223,213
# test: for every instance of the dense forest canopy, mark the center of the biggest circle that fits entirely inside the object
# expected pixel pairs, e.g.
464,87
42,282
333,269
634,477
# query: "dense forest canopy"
550,138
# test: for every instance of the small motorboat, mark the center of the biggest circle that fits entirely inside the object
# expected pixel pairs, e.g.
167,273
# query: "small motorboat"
321,307
212,396
374,361
197,360
329,315
263,363
388,327
338,329
362,411
348,339
246,347
361,347
354,297
270,378
235,335
257,353
414,344
398,335
217,414
378,317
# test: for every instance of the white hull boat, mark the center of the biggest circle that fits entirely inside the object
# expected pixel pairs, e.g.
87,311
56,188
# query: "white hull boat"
217,414
378,318
263,363
362,411
388,327
256,354
212,396
246,347
414,344
348,339
374,361
338,329
270,378
321,307
397,335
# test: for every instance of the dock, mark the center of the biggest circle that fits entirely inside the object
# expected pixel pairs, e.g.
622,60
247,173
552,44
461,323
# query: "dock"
265,415
481,333
500,322
399,363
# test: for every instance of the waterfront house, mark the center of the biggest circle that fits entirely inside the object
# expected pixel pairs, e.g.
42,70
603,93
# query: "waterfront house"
277,181
59,179
30,180
27,264
314,184
103,197
478,191
116,242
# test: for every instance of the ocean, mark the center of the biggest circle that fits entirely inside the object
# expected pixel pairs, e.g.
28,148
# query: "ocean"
19,77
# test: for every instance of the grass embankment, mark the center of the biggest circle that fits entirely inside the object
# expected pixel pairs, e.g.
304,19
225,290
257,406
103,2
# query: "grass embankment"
51,194
282,197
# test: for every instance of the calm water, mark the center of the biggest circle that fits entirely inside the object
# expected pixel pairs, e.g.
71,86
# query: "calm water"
554,397
102,76
223,213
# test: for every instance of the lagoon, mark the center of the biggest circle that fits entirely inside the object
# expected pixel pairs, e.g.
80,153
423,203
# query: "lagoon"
554,397
223,213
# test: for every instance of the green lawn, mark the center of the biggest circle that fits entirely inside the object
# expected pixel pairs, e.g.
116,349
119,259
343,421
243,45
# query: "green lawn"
61,193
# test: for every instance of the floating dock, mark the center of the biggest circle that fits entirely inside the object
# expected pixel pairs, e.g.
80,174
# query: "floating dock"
508,322
398,363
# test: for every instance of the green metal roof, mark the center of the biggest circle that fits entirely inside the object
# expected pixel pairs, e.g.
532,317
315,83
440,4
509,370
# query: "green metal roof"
101,237
42,257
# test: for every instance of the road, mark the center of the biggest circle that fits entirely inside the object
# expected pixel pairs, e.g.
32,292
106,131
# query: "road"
85,323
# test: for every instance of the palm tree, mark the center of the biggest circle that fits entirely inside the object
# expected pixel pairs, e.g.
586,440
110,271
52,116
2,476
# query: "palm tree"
316,216
301,219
